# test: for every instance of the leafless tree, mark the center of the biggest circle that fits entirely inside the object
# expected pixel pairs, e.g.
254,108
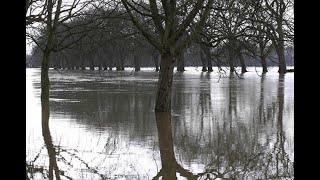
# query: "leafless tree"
276,17
160,24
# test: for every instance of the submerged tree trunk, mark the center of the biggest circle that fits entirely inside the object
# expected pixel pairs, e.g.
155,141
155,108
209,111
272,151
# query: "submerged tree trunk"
100,67
207,56
203,60
180,63
280,52
231,61
105,66
136,62
163,99
92,65
242,63
209,65
264,64
155,58
45,84
110,63
122,63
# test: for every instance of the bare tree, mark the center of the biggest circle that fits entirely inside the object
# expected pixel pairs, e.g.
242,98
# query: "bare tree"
275,15
160,25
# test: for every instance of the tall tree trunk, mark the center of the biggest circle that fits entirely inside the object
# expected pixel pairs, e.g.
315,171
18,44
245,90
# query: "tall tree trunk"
180,62
92,65
110,62
207,56
281,56
280,49
163,99
209,65
45,84
122,63
264,64
231,61
203,60
82,64
136,62
242,63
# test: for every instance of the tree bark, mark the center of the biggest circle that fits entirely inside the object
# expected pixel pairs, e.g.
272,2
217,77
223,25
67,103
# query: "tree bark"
163,99
280,51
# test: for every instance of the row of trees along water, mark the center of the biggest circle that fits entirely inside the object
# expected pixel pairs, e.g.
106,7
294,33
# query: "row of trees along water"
102,34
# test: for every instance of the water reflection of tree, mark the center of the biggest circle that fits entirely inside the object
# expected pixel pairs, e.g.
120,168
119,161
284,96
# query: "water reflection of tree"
169,164
55,154
249,158
234,149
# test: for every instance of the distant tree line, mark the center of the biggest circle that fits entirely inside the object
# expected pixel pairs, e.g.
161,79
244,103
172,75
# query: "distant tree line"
233,35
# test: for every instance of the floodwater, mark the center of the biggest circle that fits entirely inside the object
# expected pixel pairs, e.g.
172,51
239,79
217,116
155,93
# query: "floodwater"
103,126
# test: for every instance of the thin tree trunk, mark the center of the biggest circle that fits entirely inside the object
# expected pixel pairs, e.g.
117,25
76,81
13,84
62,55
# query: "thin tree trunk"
280,50
282,61
209,65
48,142
264,64
155,58
91,65
45,85
207,56
242,63
122,63
163,99
110,63
203,60
180,63
231,61
136,62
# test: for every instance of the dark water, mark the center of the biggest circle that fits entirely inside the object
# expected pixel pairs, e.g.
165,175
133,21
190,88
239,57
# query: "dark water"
103,126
